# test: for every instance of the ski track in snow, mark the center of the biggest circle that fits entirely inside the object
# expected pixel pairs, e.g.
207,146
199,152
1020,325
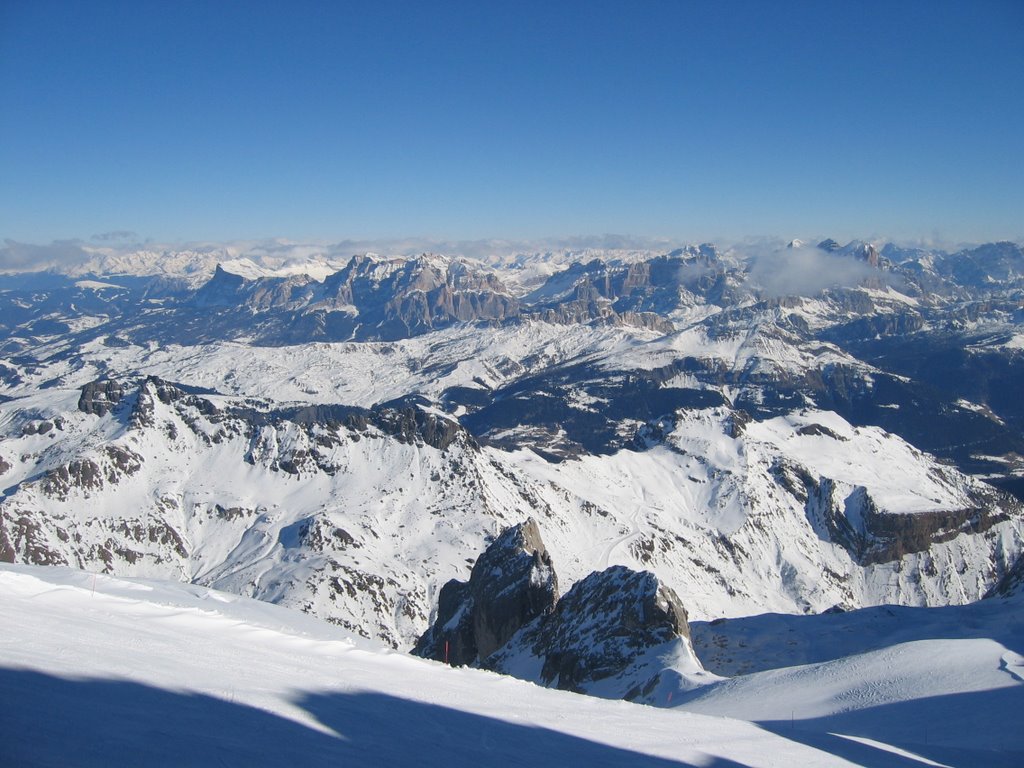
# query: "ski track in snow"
634,522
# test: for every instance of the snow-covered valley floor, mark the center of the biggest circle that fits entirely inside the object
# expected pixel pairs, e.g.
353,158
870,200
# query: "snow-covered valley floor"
99,671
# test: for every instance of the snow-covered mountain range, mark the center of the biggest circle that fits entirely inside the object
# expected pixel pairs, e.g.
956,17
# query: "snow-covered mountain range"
787,430
718,433
344,441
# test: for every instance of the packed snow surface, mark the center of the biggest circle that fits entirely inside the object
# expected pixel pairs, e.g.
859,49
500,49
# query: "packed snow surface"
96,670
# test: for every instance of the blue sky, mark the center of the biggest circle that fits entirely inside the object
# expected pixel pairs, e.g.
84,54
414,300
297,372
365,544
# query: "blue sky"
713,120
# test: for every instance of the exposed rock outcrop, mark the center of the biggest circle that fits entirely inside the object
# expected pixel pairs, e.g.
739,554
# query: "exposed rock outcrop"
599,631
99,397
368,299
852,519
85,475
617,633
150,391
1012,581
511,584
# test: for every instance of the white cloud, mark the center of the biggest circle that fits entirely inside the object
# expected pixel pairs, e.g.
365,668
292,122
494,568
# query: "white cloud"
806,271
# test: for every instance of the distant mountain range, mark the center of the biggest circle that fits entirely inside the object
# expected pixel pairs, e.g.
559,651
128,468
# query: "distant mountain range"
784,429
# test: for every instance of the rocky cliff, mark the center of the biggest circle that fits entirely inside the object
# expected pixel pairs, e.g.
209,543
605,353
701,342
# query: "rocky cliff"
511,584
617,633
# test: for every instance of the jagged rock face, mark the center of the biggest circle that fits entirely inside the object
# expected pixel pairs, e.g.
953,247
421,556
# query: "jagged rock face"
86,475
393,299
868,253
638,293
409,297
368,299
511,584
223,289
986,265
851,518
1012,582
98,397
451,638
608,626
861,251
413,424
599,629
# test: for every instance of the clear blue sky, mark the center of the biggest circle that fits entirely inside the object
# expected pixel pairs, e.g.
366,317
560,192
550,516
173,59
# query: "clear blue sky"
218,120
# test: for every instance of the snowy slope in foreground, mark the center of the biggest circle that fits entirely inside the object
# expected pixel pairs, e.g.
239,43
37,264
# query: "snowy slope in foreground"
954,700
948,680
102,671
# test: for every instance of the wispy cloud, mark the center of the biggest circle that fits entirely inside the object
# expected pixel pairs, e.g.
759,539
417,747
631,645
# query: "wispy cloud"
26,257
806,271
118,237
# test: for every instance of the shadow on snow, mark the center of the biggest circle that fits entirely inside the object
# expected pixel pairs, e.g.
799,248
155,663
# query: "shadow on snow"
931,727
53,721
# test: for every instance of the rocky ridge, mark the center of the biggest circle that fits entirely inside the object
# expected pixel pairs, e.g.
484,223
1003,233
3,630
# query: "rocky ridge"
617,633
356,513
682,412
511,583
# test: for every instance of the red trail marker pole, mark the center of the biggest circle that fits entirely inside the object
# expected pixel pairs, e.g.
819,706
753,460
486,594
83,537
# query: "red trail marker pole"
445,651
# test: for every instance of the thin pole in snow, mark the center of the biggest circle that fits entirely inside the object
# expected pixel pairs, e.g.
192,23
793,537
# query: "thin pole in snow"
93,585
445,651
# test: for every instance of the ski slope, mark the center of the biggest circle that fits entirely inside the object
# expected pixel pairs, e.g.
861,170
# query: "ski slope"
101,671
953,700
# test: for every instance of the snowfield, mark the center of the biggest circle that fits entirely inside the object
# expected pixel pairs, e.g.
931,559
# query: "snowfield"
354,373
99,671
103,671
